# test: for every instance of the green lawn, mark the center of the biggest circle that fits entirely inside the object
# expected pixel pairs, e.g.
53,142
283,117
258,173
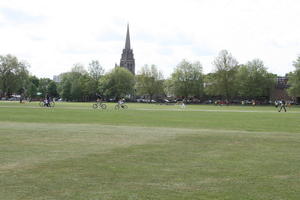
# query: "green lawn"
148,152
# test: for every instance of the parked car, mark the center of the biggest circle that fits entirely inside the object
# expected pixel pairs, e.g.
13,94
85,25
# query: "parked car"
13,99
140,100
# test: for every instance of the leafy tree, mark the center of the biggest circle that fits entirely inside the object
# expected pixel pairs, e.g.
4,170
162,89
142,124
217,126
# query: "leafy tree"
76,91
52,89
149,81
222,82
47,85
78,68
13,75
254,81
75,86
43,86
35,80
65,87
95,70
168,87
118,83
69,86
87,87
294,80
95,73
209,84
187,79
32,87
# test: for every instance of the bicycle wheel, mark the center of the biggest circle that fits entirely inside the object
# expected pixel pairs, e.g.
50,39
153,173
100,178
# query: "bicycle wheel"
95,106
103,106
51,104
125,106
41,104
117,107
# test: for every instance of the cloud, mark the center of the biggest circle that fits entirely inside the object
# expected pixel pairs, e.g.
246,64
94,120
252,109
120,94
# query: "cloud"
53,35
19,17
109,36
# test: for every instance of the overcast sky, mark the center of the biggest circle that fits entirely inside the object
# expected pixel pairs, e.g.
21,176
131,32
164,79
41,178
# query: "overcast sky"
53,35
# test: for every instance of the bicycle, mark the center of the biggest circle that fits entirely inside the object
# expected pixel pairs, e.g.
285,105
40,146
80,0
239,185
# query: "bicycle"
121,106
99,105
44,104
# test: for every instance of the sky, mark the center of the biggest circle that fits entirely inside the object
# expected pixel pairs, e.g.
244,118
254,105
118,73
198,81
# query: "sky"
53,35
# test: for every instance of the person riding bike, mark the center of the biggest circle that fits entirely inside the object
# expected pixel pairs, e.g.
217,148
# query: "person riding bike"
121,102
99,98
47,100
99,103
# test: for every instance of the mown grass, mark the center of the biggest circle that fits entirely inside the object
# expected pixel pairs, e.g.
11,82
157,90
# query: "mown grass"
212,117
148,152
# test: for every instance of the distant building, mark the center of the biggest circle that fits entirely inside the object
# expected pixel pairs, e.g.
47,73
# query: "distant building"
280,90
57,78
281,82
127,59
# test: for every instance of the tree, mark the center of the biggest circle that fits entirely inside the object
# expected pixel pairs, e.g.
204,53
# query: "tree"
32,87
294,80
70,88
222,82
65,87
118,83
43,86
187,79
52,89
87,87
168,87
149,81
47,85
76,91
78,68
78,84
13,75
95,72
254,81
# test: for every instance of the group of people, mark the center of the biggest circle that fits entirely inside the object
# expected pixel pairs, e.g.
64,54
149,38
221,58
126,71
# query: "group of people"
278,104
121,101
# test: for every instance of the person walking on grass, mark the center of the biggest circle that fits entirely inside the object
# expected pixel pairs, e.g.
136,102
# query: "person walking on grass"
183,104
282,106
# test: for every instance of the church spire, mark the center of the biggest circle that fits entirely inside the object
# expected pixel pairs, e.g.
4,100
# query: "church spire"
127,43
127,59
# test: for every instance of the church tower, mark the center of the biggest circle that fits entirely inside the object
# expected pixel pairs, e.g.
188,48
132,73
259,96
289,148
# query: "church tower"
127,59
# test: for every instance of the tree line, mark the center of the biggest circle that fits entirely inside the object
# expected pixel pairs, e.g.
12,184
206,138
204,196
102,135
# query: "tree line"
229,80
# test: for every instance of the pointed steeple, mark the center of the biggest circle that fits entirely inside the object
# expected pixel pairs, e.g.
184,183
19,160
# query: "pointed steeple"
127,43
127,59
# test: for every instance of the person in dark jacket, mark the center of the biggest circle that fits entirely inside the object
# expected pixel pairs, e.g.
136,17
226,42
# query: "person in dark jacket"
47,100
282,106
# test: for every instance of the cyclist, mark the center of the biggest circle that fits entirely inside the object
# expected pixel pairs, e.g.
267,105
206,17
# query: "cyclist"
121,102
99,98
47,100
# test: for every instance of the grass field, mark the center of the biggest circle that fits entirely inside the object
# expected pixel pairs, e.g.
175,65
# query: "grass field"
148,152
